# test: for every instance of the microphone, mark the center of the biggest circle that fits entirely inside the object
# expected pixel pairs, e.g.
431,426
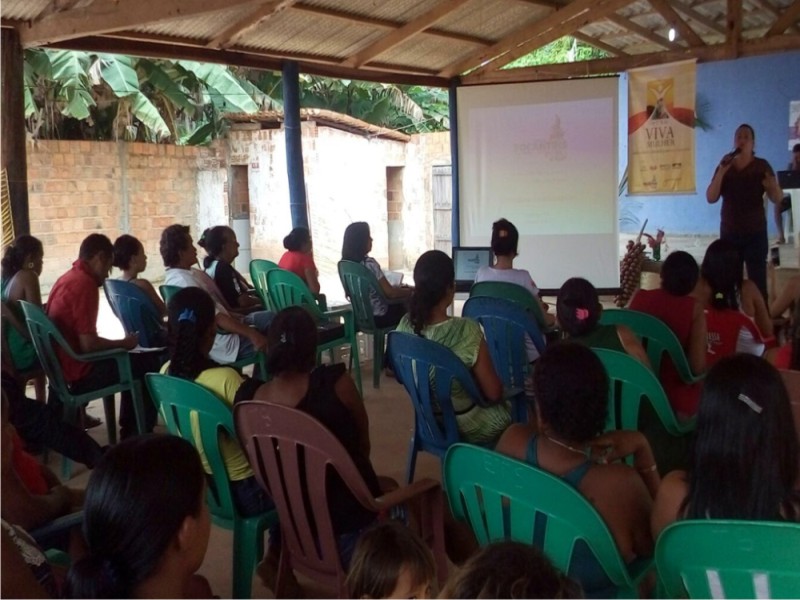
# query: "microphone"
730,156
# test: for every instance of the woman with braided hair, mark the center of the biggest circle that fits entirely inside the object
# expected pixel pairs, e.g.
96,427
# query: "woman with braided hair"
434,289
146,523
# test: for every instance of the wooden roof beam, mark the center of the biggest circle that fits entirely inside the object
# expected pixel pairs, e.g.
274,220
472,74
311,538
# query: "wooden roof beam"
699,17
232,34
643,32
524,34
599,44
766,5
673,19
403,33
786,20
106,16
550,34
733,27
386,23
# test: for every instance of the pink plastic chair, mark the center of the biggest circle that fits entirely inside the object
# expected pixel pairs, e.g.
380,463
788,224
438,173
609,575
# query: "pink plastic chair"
279,442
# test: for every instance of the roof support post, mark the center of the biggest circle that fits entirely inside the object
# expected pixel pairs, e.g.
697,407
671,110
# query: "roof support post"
294,144
455,211
12,109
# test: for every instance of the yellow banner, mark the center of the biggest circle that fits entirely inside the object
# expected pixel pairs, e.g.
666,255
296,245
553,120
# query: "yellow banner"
661,103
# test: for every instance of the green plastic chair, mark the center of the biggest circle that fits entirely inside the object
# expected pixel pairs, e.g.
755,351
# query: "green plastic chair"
182,401
515,293
729,559
287,289
258,273
168,291
45,337
358,283
505,499
656,337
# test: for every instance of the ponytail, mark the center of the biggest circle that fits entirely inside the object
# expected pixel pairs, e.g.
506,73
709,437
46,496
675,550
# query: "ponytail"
191,314
96,577
434,276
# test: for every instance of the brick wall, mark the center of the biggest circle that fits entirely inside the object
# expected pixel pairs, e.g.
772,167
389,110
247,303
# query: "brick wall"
79,187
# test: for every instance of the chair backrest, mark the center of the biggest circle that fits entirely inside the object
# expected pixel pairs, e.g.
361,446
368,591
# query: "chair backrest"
505,325
729,559
630,382
45,337
428,371
292,455
359,284
168,291
258,273
181,401
287,289
723,332
509,291
136,311
505,499
656,337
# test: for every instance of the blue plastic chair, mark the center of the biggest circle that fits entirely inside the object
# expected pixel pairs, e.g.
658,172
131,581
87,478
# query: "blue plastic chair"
136,311
503,498
505,325
183,403
428,370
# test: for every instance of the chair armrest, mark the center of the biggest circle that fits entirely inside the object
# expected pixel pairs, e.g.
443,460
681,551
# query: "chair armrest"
99,355
338,312
406,493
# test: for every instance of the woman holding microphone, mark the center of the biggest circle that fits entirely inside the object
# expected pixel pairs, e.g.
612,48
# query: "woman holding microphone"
742,179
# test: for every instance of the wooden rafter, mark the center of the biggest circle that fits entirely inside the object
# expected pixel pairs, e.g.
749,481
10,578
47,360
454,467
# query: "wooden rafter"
673,19
103,17
555,26
766,5
788,18
699,17
599,44
608,66
229,36
401,34
643,32
386,23
733,27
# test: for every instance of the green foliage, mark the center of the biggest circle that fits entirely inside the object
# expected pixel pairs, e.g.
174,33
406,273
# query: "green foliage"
563,50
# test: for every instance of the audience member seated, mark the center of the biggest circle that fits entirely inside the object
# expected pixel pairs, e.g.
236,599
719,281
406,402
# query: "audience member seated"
328,394
390,561
510,570
745,459
236,339
222,247
571,388
434,281
299,258
146,523
505,239
684,315
356,246
130,258
722,287
578,312
73,306
780,302
32,495
21,267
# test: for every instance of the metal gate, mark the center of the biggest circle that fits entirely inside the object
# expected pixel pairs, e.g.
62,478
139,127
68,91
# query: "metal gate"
442,208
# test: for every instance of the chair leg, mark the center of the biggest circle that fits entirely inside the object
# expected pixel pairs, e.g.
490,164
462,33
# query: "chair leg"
248,548
412,458
70,416
110,409
377,358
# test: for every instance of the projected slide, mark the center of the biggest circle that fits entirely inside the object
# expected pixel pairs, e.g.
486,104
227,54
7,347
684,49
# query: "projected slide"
544,156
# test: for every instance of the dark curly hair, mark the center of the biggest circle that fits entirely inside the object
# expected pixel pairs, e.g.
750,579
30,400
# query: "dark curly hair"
510,570
212,240
679,273
191,314
14,257
297,238
94,244
505,238
722,269
577,307
434,277
355,244
292,342
173,239
571,390
125,247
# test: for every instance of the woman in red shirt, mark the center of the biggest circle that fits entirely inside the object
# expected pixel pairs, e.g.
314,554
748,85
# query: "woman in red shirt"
299,257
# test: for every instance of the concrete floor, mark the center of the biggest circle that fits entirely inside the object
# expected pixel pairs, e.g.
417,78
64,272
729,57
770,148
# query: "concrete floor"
391,421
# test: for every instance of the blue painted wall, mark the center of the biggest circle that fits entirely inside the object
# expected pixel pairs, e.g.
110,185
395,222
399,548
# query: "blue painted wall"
748,90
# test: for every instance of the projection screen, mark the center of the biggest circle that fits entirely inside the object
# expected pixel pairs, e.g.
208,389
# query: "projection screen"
544,156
